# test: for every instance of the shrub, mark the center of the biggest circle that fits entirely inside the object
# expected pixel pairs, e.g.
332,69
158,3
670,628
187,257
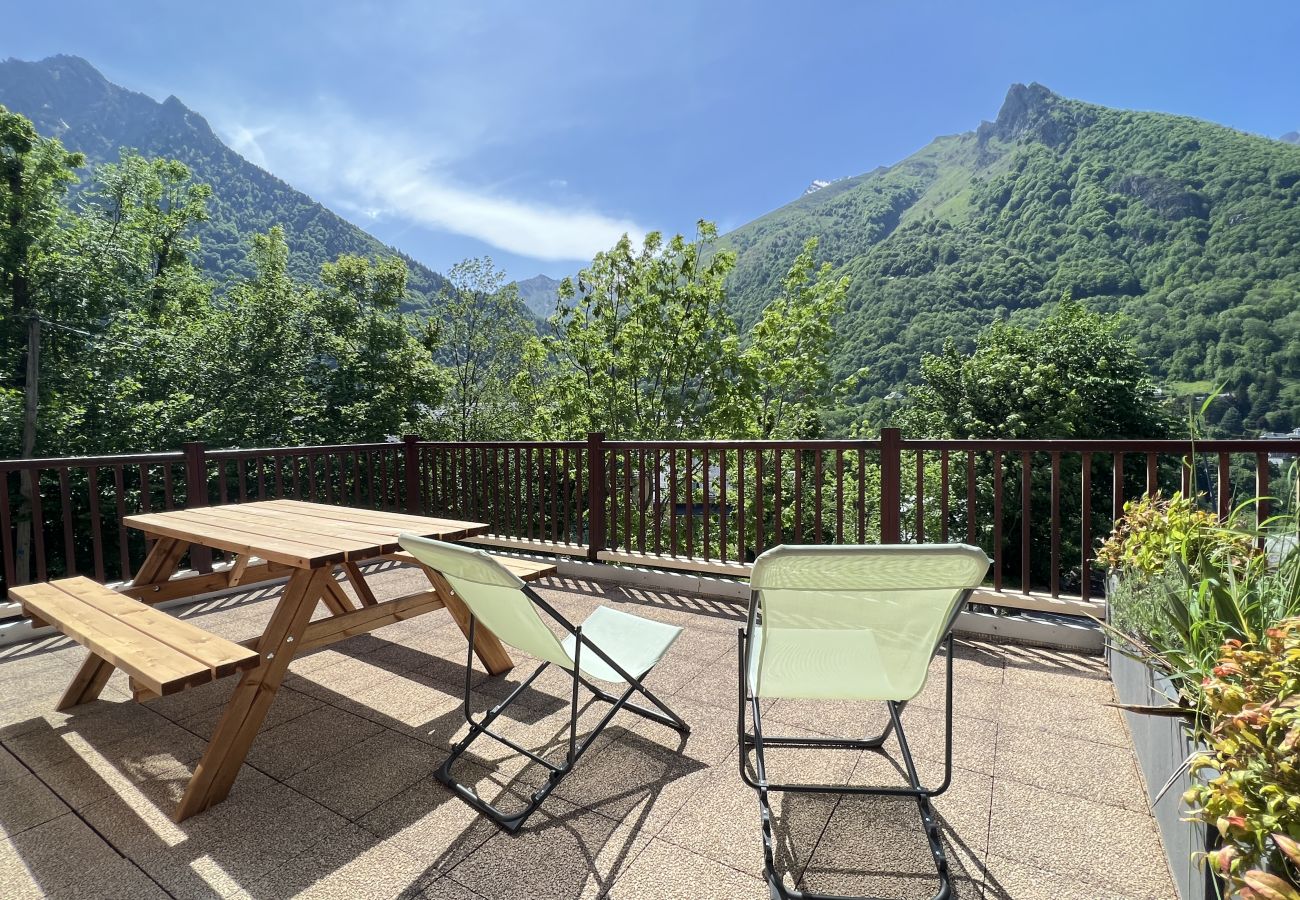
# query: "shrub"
1154,530
1252,702
1186,584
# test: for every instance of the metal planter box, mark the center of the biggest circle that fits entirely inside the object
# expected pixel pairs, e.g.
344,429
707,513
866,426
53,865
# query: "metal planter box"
1162,744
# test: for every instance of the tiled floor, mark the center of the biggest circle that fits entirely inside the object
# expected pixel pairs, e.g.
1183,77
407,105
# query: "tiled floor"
337,797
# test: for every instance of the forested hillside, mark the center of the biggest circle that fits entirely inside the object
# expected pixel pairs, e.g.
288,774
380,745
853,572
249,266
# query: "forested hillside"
67,98
1188,228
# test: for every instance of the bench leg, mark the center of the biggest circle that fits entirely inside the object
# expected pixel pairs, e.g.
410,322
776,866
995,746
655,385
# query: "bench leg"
87,683
486,645
248,705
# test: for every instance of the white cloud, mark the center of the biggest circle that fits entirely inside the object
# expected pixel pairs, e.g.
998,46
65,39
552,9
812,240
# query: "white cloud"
355,167
244,141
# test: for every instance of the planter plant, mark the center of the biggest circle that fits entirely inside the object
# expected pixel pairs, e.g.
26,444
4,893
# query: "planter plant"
1211,615
1252,797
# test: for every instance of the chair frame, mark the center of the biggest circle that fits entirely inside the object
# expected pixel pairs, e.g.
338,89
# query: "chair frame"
758,742
512,822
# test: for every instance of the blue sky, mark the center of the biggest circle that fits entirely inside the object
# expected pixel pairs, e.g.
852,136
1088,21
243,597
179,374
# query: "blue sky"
537,132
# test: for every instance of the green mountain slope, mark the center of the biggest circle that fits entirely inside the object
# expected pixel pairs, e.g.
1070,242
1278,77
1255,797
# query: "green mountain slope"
1190,229
66,97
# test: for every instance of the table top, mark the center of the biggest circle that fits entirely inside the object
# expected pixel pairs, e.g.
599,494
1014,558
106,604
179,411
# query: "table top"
297,533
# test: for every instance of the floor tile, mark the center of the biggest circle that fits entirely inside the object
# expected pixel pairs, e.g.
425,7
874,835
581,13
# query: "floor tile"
668,872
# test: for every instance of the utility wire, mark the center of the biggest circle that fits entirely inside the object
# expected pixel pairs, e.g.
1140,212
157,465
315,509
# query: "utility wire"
99,338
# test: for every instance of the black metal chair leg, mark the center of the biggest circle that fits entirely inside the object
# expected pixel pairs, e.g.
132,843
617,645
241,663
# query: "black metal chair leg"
512,822
758,743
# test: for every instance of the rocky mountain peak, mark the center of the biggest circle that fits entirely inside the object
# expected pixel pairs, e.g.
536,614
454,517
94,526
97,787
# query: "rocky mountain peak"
1033,112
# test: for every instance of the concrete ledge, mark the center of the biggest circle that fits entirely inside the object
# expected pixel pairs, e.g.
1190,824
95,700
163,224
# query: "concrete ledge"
1057,634
679,582
527,545
704,566
1034,631
1043,603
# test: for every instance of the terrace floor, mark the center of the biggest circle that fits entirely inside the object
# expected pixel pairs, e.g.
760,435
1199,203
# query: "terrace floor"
337,798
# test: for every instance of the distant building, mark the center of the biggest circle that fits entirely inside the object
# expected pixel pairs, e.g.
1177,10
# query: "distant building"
1278,457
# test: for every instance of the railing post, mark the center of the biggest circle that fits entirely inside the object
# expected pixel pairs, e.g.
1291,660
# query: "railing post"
891,485
411,473
196,494
596,496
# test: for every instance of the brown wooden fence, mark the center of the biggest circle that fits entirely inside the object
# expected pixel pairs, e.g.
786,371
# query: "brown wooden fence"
1039,508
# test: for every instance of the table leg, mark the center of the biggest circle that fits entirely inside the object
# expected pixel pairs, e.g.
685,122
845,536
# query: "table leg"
88,682
486,644
248,705
359,585
161,563
335,598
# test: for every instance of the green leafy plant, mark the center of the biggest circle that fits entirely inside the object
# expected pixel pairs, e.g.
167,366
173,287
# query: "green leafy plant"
1185,584
1155,530
1252,702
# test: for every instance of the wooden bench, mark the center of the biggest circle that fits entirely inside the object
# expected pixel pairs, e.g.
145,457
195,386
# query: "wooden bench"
523,569
162,654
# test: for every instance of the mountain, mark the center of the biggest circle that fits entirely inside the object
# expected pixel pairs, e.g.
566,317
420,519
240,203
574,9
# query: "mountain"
67,98
1188,228
1291,137
540,294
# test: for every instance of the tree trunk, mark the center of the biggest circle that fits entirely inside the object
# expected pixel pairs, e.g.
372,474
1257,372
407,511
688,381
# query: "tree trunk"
27,482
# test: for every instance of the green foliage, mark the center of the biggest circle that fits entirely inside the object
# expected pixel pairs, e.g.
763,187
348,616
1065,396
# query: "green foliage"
482,332
139,351
1185,227
282,362
785,368
144,352
372,367
1179,617
34,175
1074,375
1154,530
642,346
1252,797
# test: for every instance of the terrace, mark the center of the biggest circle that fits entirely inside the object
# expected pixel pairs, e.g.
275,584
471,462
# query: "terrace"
337,797
1046,801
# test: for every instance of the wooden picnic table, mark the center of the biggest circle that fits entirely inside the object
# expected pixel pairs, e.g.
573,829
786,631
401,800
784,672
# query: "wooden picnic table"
271,539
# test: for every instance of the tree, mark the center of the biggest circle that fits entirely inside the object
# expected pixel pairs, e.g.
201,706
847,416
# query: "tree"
374,375
483,332
786,366
1077,375
1231,423
256,354
642,345
34,174
128,293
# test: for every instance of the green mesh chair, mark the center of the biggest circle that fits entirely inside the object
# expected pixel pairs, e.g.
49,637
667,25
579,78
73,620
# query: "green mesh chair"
608,646
850,623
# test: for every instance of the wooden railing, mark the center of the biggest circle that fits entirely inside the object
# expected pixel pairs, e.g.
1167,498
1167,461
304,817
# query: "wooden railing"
64,516
1039,508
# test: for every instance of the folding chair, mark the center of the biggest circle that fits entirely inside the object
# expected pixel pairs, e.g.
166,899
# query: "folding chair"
609,646
850,623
